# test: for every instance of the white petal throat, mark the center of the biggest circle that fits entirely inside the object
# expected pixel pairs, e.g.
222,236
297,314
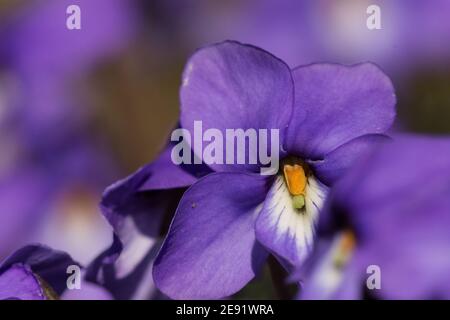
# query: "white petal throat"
286,231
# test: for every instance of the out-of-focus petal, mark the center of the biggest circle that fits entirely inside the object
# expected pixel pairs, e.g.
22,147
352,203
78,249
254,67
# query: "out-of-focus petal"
87,291
337,162
50,265
138,216
19,282
397,202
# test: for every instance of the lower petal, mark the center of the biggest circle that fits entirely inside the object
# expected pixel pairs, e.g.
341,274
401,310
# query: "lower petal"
211,251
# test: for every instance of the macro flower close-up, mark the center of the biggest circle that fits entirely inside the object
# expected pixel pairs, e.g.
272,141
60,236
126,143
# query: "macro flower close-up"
327,116
241,151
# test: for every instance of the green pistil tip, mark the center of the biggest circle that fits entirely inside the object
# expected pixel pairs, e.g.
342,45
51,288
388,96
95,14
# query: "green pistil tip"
298,201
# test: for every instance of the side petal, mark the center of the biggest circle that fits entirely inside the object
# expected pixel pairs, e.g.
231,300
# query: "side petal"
234,86
162,173
335,104
211,251
138,219
337,162
288,232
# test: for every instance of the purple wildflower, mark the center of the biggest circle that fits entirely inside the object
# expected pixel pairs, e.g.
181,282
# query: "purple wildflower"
228,222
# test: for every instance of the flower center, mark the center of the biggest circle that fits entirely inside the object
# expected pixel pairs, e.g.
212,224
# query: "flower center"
296,180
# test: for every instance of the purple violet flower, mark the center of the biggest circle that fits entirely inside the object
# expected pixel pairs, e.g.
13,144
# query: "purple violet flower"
391,211
229,221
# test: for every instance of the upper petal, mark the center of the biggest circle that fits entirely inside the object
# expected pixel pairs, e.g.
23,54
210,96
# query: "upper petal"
235,86
211,251
335,104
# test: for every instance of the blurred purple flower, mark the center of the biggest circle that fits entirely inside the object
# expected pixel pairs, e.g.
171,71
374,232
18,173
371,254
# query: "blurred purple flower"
44,80
391,211
54,187
302,32
37,272
50,156
34,273
17,216
227,223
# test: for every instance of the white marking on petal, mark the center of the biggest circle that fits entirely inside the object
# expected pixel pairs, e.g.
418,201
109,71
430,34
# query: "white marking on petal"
187,74
329,273
287,231
135,247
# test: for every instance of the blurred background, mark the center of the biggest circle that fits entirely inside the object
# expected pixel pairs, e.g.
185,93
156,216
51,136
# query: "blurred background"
80,109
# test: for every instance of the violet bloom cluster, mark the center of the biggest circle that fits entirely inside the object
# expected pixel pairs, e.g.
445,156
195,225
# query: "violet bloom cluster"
232,218
390,215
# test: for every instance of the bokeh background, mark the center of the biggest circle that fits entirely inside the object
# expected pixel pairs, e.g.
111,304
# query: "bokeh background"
80,109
